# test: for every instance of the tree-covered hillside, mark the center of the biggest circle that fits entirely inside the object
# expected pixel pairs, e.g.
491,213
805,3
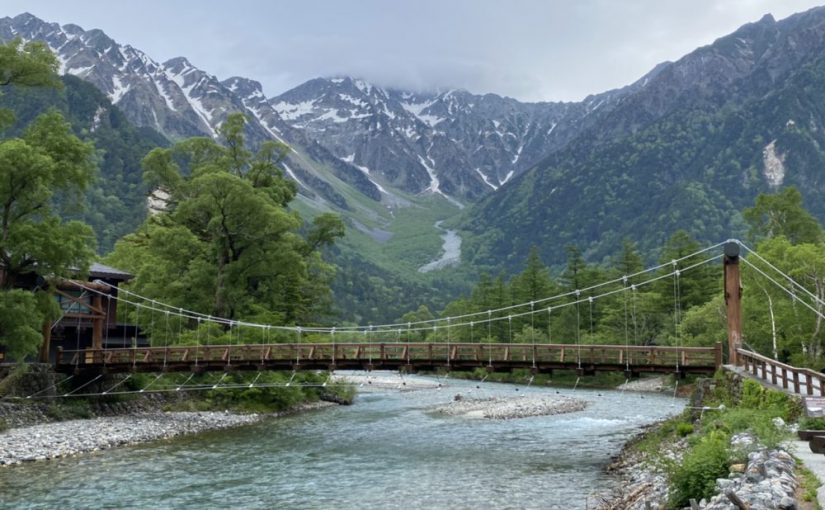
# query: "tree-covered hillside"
115,203
693,169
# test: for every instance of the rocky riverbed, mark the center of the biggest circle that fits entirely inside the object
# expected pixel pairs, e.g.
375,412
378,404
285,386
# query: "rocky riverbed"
61,439
766,482
501,408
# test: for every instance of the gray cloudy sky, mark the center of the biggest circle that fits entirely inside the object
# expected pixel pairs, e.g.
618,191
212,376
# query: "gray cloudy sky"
527,49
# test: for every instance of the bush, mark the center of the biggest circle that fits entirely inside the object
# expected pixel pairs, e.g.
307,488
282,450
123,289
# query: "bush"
696,476
684,429
812,423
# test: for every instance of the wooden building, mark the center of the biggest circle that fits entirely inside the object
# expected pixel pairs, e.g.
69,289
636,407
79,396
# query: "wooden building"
89,314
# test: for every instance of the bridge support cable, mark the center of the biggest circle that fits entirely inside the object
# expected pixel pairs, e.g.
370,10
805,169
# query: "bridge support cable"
788,291
87,383
158,306
119,383
578,334
788,278
677,309
151,383
181,385
626,335
44,390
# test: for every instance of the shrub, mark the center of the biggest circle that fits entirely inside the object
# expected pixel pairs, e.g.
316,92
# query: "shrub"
696,476
812,423
684,429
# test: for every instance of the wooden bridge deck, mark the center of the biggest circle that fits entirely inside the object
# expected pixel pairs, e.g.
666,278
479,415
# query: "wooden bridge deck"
410,357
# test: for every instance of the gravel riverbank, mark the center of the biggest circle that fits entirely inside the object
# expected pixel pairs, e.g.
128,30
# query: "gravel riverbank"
386,381
66,438
499,408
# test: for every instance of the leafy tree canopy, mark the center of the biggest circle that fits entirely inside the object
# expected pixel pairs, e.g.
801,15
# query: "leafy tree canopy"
222,241
46,160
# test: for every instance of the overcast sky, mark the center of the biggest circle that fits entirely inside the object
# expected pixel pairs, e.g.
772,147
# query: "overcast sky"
528,49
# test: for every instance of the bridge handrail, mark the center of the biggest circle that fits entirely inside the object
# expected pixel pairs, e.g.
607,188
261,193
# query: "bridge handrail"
589,353
617,347
754,361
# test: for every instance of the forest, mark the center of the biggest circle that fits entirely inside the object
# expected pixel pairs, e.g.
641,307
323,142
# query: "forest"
220,239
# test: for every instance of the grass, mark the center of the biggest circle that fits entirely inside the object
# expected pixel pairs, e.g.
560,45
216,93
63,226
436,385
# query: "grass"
808,485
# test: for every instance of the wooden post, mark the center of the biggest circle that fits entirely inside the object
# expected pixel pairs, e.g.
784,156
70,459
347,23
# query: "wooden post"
47,342
733,300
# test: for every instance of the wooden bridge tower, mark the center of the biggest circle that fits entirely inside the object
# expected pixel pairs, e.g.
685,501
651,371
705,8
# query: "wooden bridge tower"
733,300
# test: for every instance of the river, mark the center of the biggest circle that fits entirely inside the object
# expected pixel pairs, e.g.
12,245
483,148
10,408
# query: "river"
385,451
451,250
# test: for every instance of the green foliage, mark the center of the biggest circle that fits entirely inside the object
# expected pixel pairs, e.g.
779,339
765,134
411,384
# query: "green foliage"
782,214
48,159
21,320
774,324
115,202
9,383
807,423
808,484
224,243
69,409
29,64
639,177
646,315
695,477
684,429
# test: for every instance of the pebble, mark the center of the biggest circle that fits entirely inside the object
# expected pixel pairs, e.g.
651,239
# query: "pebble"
502,408
61,439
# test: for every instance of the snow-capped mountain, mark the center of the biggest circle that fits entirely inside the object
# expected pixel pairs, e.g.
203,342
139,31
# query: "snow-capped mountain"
454,143
180,100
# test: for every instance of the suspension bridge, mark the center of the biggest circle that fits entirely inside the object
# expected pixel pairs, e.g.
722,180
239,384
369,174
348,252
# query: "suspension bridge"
391,346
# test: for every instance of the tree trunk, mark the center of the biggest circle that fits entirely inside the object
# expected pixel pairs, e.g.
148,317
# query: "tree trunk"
773,325
220,285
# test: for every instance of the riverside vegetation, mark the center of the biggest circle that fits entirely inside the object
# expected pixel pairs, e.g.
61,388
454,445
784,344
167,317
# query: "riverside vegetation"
743,424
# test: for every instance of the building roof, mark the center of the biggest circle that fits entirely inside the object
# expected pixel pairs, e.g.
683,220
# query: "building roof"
97,270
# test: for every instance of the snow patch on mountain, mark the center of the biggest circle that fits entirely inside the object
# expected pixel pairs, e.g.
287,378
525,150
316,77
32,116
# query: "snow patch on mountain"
119,89
486,179
294,111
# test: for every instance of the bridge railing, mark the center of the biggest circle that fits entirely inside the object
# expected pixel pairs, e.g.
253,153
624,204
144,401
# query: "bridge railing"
397,353
802,381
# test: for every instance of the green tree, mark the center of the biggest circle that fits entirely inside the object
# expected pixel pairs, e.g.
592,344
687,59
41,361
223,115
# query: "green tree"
532,284
45,161
225,243
782,214
418,332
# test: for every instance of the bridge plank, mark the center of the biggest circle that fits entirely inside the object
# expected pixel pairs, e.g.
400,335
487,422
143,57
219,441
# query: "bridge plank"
394,356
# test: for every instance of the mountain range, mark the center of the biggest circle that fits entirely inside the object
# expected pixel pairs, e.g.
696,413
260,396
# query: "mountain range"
687,146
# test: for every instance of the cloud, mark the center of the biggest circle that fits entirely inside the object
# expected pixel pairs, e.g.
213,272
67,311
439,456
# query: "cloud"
528,49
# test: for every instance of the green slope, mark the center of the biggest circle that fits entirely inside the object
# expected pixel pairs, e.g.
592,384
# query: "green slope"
693,169
115,203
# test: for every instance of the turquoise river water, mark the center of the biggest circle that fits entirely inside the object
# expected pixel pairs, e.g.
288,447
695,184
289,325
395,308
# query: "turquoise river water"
386,451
